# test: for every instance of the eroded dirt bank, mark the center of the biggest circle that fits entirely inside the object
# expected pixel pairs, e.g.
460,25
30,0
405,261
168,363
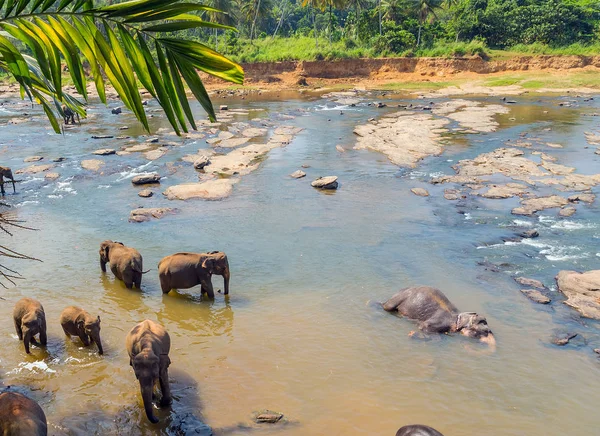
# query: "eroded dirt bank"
373,72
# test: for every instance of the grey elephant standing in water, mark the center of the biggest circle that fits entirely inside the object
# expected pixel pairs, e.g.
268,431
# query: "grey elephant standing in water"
30,319
124,262
21,416
6,172
436,314
148,345
77,322
417,430
186,270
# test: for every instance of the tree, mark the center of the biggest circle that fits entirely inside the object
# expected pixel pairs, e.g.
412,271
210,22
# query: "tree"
425,10
223,13
117,41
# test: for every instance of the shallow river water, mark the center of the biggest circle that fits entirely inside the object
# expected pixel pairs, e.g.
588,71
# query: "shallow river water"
301,332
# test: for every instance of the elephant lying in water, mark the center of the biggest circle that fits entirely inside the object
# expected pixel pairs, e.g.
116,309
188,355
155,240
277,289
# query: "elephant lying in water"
186,270
30,319
417,430
148,345
20,415
436,314
124,262
77,322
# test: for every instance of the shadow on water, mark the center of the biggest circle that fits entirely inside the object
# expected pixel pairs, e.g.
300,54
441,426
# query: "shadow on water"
117,293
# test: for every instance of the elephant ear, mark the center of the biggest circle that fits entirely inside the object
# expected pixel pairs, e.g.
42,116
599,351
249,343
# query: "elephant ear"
209,264
80,324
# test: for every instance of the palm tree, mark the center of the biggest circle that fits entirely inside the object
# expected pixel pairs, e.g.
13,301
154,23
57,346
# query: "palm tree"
425,10
252,10
118,42
322,5
223,13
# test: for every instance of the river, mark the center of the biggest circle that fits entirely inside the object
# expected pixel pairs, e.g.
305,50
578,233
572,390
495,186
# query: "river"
301,332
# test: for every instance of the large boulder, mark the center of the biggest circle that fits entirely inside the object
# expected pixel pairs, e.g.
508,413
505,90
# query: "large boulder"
582,291
144,179
329,182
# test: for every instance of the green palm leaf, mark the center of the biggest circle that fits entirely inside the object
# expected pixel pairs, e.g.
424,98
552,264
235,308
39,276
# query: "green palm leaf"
58,32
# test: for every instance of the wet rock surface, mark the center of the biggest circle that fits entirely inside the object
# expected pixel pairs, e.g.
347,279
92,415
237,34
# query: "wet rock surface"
328,182
142,214
208,190
532,283
144,179
34,169
92,164
535,296
105,151
298,174
201,162
582,291
33,159
145,193
421,192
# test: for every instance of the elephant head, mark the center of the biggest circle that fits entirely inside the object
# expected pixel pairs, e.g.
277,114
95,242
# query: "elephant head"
105,248
31,326
475,326
216,263
91,327
146,366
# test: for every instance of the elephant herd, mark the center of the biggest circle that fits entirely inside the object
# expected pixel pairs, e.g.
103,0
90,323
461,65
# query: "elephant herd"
148,343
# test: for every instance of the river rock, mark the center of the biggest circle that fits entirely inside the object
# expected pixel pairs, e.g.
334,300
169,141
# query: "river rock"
586,198
152,140
420,192
529,234
201,162
298,174
138,147
142,214
102,136
223,107
59,159
567,211
340,148
504,191
34,169
145,193
582,291
561,339
91,164
33,159
329,182
536,296
451,194
155,154
232,142
51,176
254,132
533,283
116,111
104,151
268,417
533,205
507,161
210,190
144,179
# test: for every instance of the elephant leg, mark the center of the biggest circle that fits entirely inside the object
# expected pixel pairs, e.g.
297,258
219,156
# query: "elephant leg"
207,285
84,338
137,280
165,389
2,187
67,334
165,285
19,330
129,285
43,337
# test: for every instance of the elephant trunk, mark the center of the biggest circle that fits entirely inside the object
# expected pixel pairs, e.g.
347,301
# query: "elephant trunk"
27,340
102,265
226,279
146,388
13,183
96,339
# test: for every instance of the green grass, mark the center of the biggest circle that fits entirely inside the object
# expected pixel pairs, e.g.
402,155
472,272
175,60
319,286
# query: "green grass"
531,81
503,81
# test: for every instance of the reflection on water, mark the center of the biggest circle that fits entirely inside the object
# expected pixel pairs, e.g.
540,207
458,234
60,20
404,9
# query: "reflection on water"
308,268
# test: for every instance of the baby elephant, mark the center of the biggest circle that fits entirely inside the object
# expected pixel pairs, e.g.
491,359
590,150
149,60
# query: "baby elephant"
436,314
77,322
30,320
417,430
125,262
21,416
148,345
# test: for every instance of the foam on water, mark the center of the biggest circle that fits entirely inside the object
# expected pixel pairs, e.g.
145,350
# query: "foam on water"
104,186
134,172
36,367
65,186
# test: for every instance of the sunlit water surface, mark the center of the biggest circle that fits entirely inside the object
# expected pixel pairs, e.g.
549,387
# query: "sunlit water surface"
301,332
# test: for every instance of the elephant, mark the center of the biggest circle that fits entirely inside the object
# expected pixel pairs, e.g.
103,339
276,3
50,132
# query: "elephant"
6,172
30,320
69,114
21,416
436,314
186,270
417,430
148,346
125,262
77,322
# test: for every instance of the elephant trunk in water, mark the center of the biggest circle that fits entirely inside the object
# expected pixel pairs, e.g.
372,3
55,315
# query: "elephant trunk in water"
27,339
226,279
146,387
96,338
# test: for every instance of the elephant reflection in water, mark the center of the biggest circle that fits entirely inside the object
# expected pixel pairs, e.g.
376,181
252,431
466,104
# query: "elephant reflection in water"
213,319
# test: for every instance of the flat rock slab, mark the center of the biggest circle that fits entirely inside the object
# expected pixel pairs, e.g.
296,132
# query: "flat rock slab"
201,162
533,205
33,159
535,296
582,291
451,194
532,283
51,176
104,151
210,190
102,136
144,179
586,198
34,169
254,132
329,182
505,191
529,234
145,193
155,154
562,339
138,147
268,418
298,174
143,214
340,148
232,142
567,211
507,161
420,192
91,164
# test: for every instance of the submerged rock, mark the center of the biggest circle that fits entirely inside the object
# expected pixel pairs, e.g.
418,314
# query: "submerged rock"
144,179
582,291
104,151
420,192
329,182
116,111
561,339
340,148
51,176
102,136
91,164
586,198
34,169
298,174
209,190
33,159
529,234
451,194
530,282
536,296
268,417
533,205
201,162
140,215
567,211
59,159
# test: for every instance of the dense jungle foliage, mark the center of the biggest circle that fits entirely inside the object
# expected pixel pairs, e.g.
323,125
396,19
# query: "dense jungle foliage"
328,29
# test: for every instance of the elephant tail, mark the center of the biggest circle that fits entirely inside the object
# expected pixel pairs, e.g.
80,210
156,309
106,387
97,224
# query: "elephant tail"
148,270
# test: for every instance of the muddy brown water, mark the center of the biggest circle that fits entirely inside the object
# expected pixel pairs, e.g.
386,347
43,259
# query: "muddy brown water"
301,332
